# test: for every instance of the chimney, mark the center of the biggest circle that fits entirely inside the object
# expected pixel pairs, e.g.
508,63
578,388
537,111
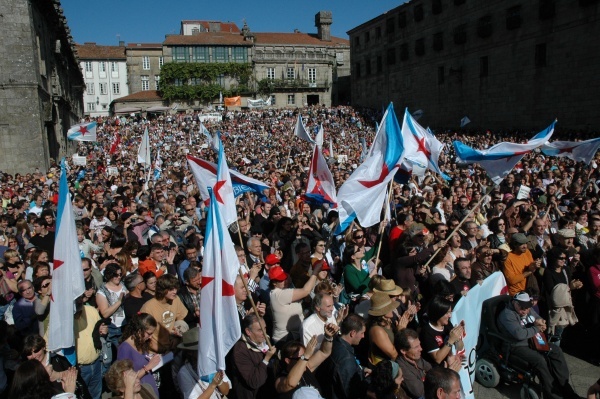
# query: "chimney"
323,20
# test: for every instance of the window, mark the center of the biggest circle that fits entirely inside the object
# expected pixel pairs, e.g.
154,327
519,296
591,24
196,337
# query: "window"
102,66
291,99
312,75
513,17
547,9
357,41
540,55
220,54
157,82
145,82
290,73
239,54
116,89
459,2
114,67
179,54
420,47
221,80
460,34
89,88
103,88
584,3
273,98
195,82
389,26
484,26
404,52
88,66
418,12
483,67
402,19
357,69
367,37
378,32
91,106
161,62
438,41
199,54
441,75
391,56
436,7
176,82
145,63
271,73
368,67
379,64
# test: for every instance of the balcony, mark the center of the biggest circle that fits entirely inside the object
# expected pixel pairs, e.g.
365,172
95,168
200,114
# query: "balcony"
279,85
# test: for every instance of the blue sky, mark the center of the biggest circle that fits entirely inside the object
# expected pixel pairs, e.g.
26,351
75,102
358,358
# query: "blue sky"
151,20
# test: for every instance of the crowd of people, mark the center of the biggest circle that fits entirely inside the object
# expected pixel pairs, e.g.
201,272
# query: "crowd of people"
361,314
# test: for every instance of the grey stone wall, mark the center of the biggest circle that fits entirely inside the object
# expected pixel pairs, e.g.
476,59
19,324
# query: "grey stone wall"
521,89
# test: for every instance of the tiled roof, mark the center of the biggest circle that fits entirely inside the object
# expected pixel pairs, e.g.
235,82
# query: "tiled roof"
311,39
207,38
91,51
143,45
147,95
229,27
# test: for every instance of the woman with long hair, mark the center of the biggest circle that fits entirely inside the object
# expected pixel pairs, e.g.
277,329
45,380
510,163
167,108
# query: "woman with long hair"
150,280
135,346
356,274
31,381
109,299
497,227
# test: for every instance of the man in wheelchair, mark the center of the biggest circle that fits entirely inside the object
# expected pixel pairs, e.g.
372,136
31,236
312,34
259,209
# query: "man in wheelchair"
525,327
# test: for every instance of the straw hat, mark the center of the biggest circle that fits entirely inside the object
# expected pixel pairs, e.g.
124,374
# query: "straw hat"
388,287
381,304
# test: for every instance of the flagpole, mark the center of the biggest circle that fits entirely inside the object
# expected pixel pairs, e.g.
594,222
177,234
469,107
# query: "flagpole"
248,290
382,226
456,228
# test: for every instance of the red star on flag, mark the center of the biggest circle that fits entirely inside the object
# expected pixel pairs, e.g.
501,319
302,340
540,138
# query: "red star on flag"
218,186
372,183
57,263
83,130
422,148
226,288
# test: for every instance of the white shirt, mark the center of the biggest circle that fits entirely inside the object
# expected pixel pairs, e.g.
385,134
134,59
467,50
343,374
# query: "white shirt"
313,325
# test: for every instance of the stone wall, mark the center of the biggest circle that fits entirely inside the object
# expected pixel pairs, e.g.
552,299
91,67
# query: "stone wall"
517,65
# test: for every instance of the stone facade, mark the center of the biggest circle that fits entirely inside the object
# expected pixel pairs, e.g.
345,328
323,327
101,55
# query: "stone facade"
144,61
105,74
41,85
303,68
504,65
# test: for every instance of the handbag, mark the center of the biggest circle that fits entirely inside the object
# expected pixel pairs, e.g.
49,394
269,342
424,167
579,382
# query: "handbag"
539,343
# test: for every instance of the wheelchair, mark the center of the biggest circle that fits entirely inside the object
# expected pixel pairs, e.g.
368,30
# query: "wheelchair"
494,363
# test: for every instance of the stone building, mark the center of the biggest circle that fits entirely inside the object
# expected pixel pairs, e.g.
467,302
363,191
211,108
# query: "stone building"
302,68
41,84
144,61
105,74
516,64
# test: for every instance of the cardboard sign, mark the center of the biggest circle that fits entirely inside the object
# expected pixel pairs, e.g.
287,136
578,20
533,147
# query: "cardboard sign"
79,160
112,171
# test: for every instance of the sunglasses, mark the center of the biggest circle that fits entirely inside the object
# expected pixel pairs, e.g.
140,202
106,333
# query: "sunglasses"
87,269
358,237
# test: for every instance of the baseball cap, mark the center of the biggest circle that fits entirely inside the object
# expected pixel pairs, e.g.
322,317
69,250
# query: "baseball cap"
524,300
272,259
321,262
277,273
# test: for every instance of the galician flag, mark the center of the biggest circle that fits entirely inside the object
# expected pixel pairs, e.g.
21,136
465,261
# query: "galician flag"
583,151
363,194
501,158
300,131
320,187
67,274
82,132
223,189
205,174
144,150
219,322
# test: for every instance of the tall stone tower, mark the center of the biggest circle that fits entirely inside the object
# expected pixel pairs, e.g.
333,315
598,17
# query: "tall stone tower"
323,20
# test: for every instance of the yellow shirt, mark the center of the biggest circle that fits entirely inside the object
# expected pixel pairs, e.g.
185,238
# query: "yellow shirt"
84,326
